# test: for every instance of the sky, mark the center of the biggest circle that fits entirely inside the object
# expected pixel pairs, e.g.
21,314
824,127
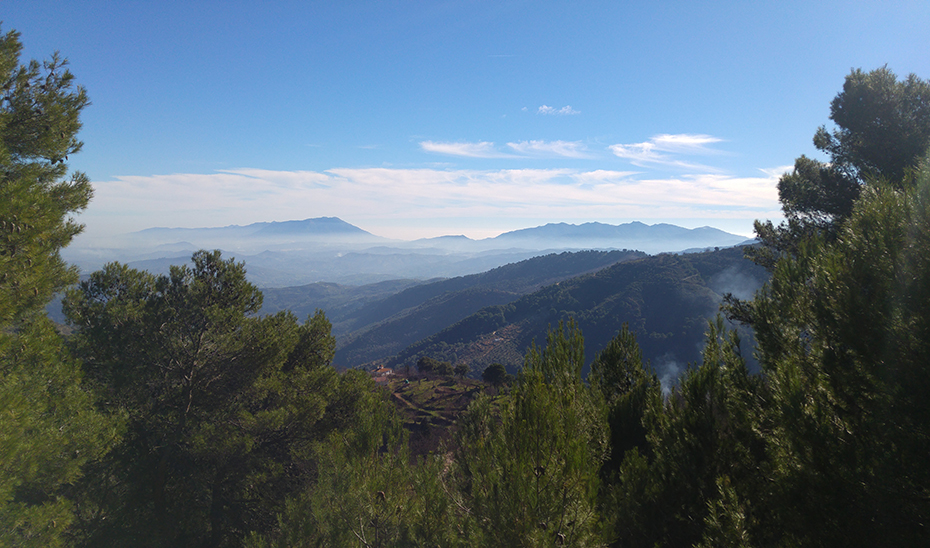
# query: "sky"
415,119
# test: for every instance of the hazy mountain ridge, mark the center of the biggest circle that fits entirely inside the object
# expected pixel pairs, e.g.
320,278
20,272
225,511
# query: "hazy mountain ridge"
319,225
328,249
656,238
338,301
313,226
520,277
279,269
635,229
386,327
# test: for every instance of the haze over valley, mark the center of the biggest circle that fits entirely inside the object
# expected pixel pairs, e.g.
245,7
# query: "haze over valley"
327,249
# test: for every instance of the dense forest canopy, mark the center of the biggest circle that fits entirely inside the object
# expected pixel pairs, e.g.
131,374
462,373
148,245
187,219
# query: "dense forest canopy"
175,415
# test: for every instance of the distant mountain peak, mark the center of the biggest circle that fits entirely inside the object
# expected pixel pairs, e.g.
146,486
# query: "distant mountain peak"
312,226
660,237
318,225
447,238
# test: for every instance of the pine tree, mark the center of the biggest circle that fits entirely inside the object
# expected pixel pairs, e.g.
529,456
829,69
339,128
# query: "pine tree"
844,334
530,476
882,130
224,408
704,455
49,427
619,376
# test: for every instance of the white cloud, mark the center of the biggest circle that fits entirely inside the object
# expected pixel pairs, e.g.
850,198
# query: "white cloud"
524,149
685,143
567,109
663,149
483,149
639,152
564,149
603,175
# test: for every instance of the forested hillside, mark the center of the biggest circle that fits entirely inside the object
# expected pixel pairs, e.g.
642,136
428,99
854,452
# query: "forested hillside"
340,302
666,300
373,322
387,327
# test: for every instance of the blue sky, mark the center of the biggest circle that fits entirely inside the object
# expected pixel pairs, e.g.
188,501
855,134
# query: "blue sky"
417,119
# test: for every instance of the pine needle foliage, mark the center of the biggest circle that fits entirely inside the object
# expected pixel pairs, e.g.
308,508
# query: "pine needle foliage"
49,428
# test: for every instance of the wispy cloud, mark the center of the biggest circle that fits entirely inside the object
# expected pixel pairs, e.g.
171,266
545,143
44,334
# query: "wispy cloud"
664,149
777,172
564,149
686,143
483,149
602,176
566,110
522,149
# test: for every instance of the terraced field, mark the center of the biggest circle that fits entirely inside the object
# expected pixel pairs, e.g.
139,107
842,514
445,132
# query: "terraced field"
430,407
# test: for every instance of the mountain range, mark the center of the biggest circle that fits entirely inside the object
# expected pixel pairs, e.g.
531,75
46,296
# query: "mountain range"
328,249
658,238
